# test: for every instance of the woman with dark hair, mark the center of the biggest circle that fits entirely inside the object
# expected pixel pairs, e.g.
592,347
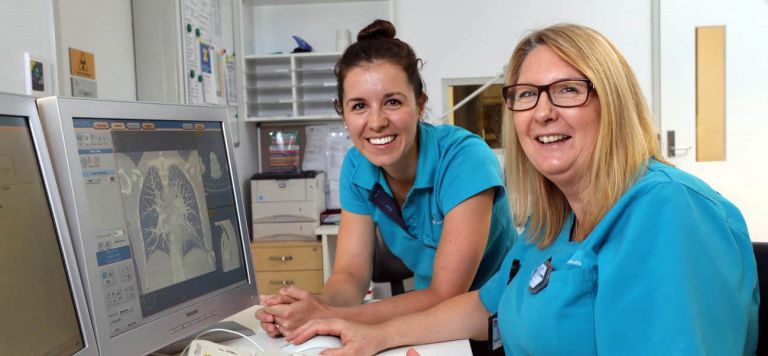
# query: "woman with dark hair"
623,253
436,194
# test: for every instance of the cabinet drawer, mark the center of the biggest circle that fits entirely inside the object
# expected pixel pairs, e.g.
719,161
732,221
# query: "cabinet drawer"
287,256
271,282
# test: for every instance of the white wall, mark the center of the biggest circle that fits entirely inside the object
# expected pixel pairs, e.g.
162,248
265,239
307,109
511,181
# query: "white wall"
25,26
271,26
460,39
105,29
741,177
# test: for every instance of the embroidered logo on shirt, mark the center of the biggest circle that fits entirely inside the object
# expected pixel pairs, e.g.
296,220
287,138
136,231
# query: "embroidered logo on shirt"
575,259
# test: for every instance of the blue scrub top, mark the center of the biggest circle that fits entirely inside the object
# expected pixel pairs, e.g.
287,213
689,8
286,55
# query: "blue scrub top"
453,165
669,270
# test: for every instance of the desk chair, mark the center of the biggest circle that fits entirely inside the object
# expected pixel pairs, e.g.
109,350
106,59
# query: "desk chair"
761,256
387,267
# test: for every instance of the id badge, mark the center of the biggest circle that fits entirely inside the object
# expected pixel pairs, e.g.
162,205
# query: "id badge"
494,337
540,277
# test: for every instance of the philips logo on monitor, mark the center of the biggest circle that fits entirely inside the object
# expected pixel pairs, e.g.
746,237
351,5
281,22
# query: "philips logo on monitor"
192,313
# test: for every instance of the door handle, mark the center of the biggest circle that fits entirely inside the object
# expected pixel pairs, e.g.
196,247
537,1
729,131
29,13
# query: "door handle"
672,150
281,258
281,282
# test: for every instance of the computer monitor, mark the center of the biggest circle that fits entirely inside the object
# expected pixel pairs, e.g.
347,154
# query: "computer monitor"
42,303
156,215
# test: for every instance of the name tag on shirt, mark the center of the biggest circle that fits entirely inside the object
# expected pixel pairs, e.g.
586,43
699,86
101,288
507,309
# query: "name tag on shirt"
493,332
540,277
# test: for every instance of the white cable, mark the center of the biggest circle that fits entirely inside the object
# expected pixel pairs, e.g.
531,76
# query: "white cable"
474,93
184,352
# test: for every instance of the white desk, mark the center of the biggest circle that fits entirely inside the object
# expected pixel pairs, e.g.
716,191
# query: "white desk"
248,319
328,234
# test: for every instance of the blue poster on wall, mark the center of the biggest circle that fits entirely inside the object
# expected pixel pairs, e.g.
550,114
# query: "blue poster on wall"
205,57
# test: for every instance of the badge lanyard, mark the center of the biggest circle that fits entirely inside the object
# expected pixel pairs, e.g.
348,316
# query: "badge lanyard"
387,204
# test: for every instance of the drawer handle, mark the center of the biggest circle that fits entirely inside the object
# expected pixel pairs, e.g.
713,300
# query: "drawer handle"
281,258
282,283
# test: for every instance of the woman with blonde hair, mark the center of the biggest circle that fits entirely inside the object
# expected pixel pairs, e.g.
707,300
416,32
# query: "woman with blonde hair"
623,253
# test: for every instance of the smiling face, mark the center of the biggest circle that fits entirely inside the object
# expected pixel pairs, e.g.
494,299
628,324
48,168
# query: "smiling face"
559,142
382,115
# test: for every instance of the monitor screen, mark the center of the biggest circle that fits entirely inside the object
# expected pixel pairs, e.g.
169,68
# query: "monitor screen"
157,217
41,298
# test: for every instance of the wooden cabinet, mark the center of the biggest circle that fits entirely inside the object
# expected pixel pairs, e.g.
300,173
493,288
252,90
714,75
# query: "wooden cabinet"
280,264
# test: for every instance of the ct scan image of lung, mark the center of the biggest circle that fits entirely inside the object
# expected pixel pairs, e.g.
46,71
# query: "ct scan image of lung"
229,244
215,171
167,221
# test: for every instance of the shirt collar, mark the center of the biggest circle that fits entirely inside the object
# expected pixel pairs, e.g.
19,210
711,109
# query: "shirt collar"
428,155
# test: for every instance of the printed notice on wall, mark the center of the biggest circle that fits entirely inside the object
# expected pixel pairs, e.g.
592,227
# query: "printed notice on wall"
231,81
317,145
82,63
34,75
196,29
207,68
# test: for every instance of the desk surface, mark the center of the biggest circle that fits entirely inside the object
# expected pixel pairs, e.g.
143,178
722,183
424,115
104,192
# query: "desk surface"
247,318
327,230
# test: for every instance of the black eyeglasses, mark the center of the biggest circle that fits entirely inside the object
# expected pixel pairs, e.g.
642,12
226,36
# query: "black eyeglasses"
566,93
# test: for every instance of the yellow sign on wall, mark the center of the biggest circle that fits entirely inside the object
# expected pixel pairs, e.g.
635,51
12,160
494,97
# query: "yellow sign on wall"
710,93
82,63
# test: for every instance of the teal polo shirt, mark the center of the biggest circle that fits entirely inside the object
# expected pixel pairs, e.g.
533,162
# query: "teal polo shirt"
668,270
453,165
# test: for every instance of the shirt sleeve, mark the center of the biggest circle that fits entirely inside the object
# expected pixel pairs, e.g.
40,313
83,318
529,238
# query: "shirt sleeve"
680,279
491,291
352,197
467,169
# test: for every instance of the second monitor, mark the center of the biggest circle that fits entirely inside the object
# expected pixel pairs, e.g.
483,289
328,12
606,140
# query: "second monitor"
42,303
154,207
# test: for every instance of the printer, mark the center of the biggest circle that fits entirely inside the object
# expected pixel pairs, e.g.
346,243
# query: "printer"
287,206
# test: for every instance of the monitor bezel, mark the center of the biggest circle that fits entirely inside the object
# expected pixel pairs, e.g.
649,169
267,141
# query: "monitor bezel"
24,106
57,115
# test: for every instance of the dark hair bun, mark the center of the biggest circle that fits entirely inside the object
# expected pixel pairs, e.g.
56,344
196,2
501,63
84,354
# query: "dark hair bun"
376,30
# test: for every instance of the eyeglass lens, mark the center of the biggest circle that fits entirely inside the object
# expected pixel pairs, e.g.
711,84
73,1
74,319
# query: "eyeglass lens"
567,93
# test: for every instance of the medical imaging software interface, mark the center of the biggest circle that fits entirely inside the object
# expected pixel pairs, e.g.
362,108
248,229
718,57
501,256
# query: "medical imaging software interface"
36,304
161,197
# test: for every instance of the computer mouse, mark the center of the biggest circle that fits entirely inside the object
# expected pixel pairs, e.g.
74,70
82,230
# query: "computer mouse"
314,345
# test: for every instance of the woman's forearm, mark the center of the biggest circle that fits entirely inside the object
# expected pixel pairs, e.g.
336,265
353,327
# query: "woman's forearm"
460,317
344,290
389,308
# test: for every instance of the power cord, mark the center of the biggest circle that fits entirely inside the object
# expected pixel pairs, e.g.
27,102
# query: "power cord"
184,352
